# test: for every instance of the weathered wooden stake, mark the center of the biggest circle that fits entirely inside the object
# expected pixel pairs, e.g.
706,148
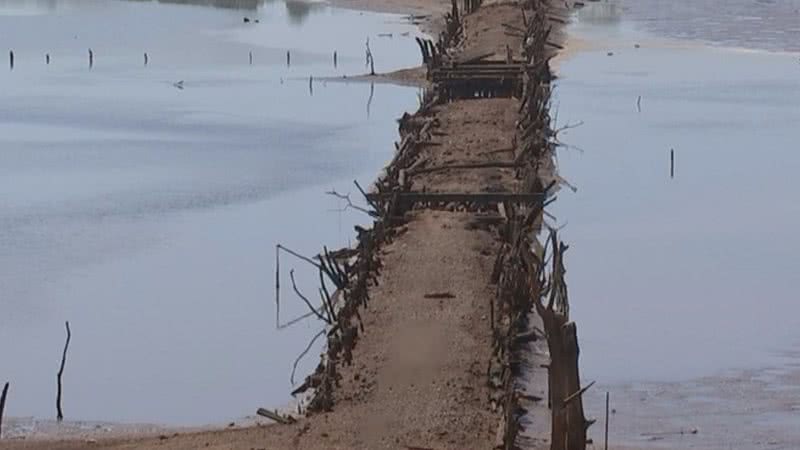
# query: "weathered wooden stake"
606,435
672,163
59,411
251,58
3,407
288,59
371,60
639,104
311,85
91,58
335,63
146,59
11,59
47,58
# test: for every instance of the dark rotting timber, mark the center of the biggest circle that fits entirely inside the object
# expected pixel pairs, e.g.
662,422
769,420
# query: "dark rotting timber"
59,411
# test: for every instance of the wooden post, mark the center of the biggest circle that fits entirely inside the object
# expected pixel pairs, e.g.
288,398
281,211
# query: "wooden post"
672,163
91,58
59,411
47,58
3,407
288,59
335,62
251,58
11,59
605,447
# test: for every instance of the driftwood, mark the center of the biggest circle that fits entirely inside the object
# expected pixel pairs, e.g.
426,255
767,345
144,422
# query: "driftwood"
59,411
301,355
3,406
283,420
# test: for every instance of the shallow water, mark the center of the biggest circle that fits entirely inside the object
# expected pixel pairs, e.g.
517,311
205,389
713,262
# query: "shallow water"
147,215
764,24
683,288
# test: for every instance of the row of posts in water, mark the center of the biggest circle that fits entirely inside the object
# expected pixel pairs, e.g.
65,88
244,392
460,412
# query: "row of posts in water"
147,59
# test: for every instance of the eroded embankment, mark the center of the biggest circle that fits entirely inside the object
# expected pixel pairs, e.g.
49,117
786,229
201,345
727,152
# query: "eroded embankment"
437,307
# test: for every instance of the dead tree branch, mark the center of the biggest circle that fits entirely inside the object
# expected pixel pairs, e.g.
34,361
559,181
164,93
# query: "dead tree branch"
350,204
301,355
59,411
305,299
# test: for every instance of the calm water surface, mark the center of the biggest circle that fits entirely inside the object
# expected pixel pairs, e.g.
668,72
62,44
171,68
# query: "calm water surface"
684,288
147,215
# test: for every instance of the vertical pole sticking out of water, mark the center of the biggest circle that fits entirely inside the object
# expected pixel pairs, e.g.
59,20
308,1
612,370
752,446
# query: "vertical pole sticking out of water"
47,58
278,285
288,59
11,59
605,446
251,58
672,163
335,62
311,85
146,59
3,406
639,104
91,58
59,411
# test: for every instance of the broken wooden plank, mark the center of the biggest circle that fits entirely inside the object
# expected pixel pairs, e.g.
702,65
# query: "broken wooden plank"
283,420
456,197
483,165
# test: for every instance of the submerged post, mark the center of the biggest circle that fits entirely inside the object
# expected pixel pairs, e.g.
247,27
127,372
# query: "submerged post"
605,446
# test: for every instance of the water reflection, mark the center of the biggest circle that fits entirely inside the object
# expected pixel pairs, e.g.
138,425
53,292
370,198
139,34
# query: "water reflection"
297,10
607,12
763,24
